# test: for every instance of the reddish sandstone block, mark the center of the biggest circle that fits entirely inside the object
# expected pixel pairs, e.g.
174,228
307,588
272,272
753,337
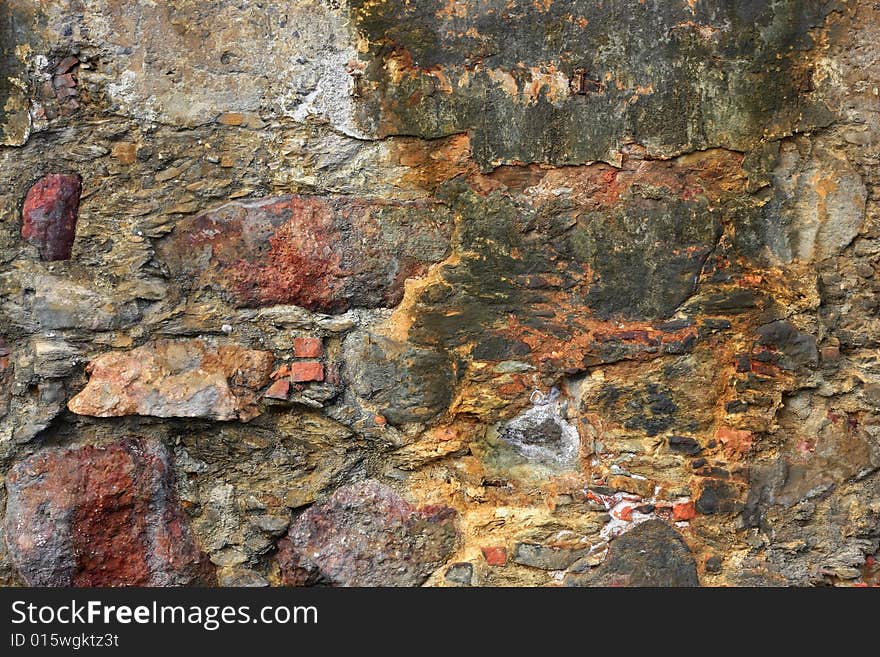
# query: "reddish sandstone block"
100,516
176,378
327,254
494,556
305,371
308,347
49,215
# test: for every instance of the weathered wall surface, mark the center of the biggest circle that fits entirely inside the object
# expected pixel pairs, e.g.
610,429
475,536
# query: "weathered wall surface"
488,292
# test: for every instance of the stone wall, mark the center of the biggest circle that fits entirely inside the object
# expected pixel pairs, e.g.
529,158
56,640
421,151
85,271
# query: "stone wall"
448,292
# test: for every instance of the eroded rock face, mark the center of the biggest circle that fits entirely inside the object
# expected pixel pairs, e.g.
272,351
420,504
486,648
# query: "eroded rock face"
100,516
408,222
15,120
529,97
365,534
325,254
5,378
176,379
821,200
35,301
51,209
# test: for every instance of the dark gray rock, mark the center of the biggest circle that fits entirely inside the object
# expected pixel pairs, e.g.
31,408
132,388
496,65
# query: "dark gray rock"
797,348
684,445
406,383
460,573
546,557
750,61
655,264
718,496
650,554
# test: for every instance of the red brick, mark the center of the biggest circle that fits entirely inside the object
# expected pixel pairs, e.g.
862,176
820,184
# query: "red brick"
494,556
304,371
684,511
308,347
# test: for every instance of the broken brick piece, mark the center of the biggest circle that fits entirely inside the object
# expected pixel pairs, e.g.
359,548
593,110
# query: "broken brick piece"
282,371
625,513
278,390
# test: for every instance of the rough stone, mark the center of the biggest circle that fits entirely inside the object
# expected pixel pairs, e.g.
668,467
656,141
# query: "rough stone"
50,213
797,348
100,516
546,557
176,379
685,445
367,535
542,434
523,103
326,254
54,358
15,119
405,382
460,573
650,554
34,302
6,373
240,577
821,200
717,496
